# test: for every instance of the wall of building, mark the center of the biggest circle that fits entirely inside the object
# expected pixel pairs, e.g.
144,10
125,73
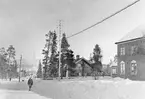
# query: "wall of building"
139,57
87,69
107,70
114,67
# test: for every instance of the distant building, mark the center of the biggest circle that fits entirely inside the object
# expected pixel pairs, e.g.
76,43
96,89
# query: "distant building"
83,67
113,69
106,69
131,55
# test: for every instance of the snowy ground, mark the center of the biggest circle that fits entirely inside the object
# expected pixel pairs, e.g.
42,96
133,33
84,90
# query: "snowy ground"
80,88
17,90
13,94
91,89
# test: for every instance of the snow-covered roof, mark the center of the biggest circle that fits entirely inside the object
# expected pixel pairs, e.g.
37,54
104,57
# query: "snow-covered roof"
84,60
138,32
113,64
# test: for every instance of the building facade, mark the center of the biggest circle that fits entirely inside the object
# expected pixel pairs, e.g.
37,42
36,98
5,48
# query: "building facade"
131,56
106,69
83,67
114,69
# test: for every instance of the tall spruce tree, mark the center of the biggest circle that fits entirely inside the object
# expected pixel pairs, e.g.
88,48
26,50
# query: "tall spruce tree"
97,65
39,71
12,72
71,63
67,58
64,42
64,49
53,57
97,54
3,63
46,53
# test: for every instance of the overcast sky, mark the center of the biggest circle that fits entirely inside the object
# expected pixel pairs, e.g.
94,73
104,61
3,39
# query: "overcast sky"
23,23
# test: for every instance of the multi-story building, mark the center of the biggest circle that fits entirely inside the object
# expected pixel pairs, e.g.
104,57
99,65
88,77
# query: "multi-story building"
131,55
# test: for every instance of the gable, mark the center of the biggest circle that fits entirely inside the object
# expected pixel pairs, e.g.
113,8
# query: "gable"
83,60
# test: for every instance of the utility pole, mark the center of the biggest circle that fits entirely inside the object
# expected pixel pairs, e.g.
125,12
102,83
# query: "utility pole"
20,68
59,71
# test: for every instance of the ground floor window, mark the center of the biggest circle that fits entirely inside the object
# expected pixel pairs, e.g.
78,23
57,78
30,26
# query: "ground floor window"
114,71
122,67
133,67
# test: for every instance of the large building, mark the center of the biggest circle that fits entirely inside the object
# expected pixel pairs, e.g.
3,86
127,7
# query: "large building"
131,55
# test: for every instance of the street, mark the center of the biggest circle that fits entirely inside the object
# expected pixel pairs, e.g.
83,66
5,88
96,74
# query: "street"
84,88
19,94
17,90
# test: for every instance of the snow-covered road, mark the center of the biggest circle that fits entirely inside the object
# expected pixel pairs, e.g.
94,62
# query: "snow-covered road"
103,88
19,94
17,90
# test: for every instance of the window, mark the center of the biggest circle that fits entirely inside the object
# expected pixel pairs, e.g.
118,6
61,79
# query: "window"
133,67
133,49
122,51
122,67
114,71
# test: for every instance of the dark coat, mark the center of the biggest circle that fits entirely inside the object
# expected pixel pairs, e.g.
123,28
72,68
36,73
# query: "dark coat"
30,81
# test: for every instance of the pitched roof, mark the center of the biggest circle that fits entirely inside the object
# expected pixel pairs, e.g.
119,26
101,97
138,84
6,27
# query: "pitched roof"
83,59
137,33
113,64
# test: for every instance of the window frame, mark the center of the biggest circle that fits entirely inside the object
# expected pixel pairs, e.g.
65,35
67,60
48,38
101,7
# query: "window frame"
122,51
133,49
133,68
122,68
114,71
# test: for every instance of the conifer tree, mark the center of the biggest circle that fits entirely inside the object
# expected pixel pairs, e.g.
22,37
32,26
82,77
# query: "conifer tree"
53,57
12,70
3,63
97,65
39,71
46,53
64,49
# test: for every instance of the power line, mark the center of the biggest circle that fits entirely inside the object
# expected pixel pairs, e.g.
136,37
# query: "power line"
104,19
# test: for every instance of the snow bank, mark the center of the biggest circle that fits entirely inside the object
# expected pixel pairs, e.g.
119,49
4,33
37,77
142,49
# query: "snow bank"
116,88
3,81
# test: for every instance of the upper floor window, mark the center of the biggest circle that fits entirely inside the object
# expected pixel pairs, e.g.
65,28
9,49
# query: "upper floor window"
133,67
122,67
133,49
122,51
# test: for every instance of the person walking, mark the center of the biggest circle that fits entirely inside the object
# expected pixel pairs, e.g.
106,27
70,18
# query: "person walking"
30,83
